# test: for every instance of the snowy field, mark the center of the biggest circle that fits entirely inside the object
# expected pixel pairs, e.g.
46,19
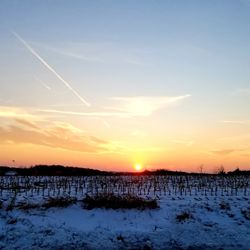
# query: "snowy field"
195,212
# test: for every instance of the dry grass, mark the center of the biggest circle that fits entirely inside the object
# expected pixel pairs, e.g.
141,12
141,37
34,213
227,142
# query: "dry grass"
183,216
27,206
59,202
111,201
224,205
246,213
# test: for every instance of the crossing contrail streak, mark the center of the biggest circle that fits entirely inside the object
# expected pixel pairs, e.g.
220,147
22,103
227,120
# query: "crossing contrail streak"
34,53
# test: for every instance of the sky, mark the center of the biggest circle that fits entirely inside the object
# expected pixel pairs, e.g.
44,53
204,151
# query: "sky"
110,84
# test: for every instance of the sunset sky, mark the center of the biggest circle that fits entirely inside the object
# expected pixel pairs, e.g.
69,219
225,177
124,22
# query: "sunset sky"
109,84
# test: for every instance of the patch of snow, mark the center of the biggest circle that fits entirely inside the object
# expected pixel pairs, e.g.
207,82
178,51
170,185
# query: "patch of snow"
216,222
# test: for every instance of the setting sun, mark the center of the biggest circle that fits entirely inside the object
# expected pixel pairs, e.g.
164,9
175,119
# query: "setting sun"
138,167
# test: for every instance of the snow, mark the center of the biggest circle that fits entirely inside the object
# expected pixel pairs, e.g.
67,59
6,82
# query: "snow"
216,222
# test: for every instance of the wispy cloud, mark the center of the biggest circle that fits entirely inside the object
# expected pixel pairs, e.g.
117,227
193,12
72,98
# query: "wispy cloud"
14,112
241,91
66,83
87,114
26,123
24,126
79,56
228,151
104,52
127,107
57,135
146,105
223,151
122,148
236,122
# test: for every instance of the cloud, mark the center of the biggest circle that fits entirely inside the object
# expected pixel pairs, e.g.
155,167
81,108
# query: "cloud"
66,83
236,122
146,105
241,91
87,114
223,152
127,107
65,128
57,135
232,122
26,123
14,112
98,53
79,56
120,147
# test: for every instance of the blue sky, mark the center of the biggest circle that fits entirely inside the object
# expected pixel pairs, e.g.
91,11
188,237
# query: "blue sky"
122,54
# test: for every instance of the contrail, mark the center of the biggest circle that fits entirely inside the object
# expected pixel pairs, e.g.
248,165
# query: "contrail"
44,84
87,114
34,53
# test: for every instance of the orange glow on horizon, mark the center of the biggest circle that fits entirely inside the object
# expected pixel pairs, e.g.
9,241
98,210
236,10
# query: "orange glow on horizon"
187,159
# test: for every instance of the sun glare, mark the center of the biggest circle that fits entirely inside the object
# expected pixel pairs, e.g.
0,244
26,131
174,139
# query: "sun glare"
138,167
